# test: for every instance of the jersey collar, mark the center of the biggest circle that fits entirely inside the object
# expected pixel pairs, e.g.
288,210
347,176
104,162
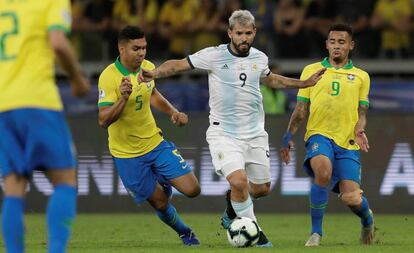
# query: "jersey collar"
236,54
326,64
123,70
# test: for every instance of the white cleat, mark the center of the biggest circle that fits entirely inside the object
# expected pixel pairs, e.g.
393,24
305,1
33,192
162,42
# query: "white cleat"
314,240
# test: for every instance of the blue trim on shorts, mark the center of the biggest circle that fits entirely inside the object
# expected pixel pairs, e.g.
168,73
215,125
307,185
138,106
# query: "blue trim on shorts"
34,139
346,163
141,174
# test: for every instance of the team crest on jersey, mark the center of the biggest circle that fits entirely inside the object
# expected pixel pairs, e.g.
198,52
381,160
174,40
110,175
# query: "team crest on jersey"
149,85
220,156
101,93
254,67
351,77
315,147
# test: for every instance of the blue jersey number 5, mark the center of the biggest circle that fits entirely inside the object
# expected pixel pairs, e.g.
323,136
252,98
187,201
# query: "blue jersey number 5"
4,16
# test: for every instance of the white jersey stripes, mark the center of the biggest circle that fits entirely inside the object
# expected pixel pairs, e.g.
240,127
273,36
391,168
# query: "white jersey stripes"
236,106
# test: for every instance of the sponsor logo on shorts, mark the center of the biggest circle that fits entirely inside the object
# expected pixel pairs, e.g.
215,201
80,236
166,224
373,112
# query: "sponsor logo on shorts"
184,166
267,153
315,147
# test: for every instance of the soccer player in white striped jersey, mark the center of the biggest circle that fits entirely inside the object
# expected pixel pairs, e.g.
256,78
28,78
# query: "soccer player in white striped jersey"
237,139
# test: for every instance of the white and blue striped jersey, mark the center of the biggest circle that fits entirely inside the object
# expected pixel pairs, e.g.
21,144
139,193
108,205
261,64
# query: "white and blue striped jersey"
236,106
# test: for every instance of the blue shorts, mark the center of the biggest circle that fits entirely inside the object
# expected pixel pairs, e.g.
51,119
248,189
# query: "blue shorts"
345,163
34,139
141,174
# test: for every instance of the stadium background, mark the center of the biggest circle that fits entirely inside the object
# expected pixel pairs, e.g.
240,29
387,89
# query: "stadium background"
388,169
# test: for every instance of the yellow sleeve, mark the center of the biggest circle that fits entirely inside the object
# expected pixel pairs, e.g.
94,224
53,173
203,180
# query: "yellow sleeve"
58,16
304,94
364,90
107,89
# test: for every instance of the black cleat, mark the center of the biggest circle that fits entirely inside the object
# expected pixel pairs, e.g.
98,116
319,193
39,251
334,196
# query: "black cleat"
263,242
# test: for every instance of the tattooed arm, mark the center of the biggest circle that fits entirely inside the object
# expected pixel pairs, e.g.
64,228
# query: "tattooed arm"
296,120
360,135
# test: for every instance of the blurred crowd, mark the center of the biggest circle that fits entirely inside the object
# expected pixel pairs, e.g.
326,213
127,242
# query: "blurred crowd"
286,28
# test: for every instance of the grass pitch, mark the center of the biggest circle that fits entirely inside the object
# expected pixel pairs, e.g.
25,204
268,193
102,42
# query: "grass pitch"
116,233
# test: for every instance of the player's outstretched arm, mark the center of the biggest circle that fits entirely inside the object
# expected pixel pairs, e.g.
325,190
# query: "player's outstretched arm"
360,134
159,102
296,120
66,58
109,114
168,68
278,81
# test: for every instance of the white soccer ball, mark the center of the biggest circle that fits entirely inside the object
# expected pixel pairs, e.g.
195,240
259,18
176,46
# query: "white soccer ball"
243,232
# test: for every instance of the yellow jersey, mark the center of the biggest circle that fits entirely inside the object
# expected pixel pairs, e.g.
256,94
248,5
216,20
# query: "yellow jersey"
334,101
26,58
135,133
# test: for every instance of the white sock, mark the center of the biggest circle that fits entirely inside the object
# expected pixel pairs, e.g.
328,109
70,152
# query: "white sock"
244,209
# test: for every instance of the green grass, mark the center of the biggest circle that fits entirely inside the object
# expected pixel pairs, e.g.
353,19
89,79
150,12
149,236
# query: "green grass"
116,233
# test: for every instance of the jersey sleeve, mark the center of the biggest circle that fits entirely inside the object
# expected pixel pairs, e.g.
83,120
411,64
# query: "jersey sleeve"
201,59
266,71
364,90
58,16
304,94
107,90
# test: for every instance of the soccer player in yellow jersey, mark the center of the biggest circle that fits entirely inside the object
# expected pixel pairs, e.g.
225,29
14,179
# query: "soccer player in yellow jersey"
33,131
338,105
147,164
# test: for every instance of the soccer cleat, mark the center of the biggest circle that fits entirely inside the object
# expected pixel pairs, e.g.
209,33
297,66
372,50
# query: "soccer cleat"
189,239
314,240
226,221
368,232
263,242
229,215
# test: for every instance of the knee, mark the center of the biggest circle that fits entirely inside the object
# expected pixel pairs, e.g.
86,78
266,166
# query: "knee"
160,205
261,190
239,184
353,198
323,177
194,191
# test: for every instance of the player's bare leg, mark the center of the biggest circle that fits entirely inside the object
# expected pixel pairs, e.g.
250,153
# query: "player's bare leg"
258,191
241,202
187,184
169,215
322,169
351,195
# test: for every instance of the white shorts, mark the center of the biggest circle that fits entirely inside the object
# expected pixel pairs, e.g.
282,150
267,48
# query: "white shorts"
230,154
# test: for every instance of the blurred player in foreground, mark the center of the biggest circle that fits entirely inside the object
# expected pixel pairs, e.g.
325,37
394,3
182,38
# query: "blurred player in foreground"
33,131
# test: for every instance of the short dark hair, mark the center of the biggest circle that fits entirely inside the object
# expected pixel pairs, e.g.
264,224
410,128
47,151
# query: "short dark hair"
130,33
342,27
